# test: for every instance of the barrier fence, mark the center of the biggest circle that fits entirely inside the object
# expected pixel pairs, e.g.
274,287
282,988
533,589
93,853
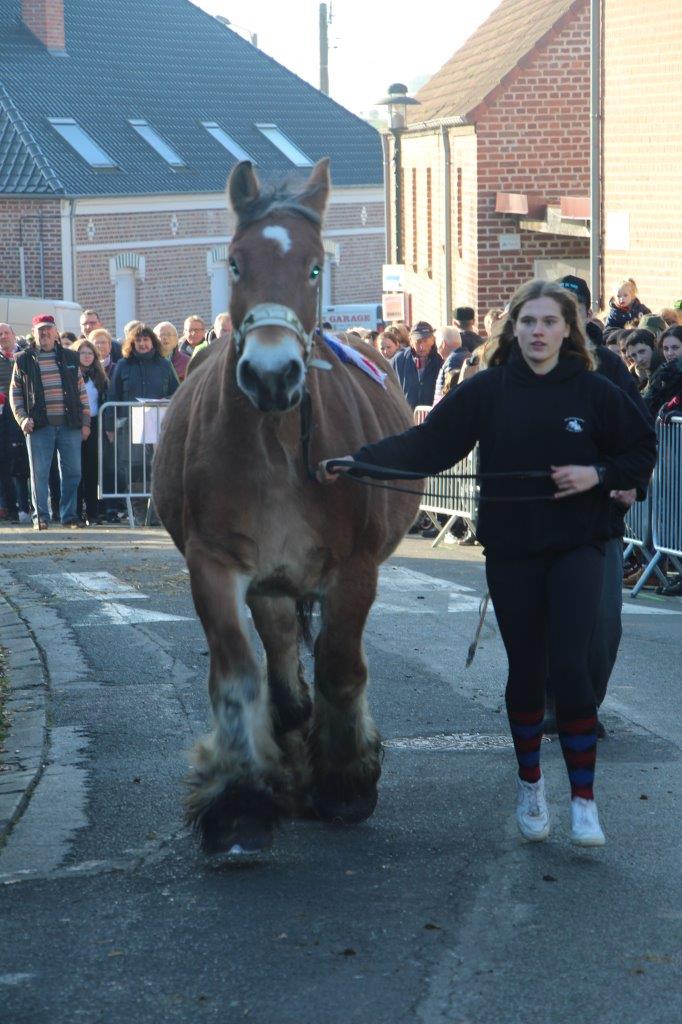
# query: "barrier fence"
444,496
127,435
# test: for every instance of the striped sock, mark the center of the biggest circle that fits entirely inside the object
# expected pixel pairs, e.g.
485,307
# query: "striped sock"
526,730
578,738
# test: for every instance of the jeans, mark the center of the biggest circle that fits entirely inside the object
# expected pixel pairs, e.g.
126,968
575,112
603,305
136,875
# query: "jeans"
41,447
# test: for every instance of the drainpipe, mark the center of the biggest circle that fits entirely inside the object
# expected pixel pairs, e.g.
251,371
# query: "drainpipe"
386,147
595,152
397,165
447,220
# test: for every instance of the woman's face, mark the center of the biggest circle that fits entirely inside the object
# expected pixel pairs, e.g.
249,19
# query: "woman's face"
640,354
86,356
540,330
143,344
103,346
168,339
672,348
387,346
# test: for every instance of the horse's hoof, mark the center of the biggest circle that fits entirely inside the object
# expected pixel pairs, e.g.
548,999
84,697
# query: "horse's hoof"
345,812
241,839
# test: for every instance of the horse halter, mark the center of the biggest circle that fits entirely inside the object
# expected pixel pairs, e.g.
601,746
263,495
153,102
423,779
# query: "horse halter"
272,314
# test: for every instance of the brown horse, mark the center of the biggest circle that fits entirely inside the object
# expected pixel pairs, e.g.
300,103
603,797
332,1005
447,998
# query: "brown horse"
232,486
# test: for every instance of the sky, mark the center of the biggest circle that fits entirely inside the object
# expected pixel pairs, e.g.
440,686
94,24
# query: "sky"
372,42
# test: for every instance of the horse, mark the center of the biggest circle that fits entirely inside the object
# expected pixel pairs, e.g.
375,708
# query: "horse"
232,484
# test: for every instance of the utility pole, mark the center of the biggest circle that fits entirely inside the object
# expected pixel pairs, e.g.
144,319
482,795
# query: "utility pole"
324,50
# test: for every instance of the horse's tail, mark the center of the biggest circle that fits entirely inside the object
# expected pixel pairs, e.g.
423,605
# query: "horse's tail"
305,608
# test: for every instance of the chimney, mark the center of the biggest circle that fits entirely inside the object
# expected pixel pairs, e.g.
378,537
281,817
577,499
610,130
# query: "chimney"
45,19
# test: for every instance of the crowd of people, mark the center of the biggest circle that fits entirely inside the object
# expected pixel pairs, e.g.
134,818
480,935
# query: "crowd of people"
52,388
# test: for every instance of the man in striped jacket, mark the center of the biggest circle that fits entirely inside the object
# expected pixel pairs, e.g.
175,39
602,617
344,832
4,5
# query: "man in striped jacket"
50,404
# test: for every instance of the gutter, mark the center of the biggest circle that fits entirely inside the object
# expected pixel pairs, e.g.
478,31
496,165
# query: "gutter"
447,220
595,152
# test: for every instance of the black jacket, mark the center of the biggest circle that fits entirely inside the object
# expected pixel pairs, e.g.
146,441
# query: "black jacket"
663,384
417,391
524,421
135,378
618,317
27,374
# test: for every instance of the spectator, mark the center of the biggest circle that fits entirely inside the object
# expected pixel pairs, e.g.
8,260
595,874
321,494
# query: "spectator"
453,356
654,323
221,331
194,332
90,321
50,404
142,372
67,338
104,346
168,343
640,349
491,318
96,386
671,316
13,498
371,338
625,306
401,332
465,319
665,383
417,366
388,343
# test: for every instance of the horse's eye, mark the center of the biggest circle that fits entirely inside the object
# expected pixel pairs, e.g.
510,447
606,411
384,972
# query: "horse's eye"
315,273
234,269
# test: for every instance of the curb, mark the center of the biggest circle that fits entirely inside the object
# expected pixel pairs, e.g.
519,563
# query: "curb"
27,742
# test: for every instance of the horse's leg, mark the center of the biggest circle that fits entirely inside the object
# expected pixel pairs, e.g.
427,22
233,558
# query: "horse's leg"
276,620
235,787
345,745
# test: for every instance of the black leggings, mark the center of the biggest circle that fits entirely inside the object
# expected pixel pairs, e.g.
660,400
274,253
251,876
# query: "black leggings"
546,607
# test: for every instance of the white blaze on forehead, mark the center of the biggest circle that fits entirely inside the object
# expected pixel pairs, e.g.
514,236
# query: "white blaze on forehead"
280,235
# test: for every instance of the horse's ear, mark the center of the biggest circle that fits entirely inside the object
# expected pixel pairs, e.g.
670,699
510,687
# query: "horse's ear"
242,187
317,189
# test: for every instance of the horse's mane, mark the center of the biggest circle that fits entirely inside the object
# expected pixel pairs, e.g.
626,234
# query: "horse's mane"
278,198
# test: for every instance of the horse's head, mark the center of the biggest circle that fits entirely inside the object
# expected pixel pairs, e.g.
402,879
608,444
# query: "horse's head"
275,261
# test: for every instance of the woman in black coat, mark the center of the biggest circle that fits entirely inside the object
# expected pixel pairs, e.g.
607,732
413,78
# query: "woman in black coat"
562,439
142,372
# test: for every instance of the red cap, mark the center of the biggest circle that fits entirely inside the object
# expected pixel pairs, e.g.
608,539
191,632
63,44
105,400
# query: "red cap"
43,320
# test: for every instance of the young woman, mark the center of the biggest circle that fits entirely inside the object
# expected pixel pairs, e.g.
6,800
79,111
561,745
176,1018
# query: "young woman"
641,354
96,385
665,383
539,410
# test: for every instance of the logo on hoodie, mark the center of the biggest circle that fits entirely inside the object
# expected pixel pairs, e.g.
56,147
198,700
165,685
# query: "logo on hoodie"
574,425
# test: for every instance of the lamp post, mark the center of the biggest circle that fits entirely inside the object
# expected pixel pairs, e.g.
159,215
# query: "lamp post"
253,36
397,101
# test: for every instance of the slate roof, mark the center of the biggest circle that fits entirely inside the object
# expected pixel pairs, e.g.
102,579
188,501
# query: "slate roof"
491,53
171,63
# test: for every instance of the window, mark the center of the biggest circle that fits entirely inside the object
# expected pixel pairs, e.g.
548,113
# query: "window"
284,145
84,144
152,137
226,141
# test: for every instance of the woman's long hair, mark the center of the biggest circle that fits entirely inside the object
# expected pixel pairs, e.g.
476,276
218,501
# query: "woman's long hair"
504,331
95,372
141,331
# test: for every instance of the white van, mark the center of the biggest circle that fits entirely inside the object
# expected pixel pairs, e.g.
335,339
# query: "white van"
19,310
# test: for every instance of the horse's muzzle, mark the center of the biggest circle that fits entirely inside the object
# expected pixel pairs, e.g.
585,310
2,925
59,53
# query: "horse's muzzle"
272,390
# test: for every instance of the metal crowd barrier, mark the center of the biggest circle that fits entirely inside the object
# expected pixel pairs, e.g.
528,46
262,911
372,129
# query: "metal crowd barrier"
639,534
456,499
666,502
127,435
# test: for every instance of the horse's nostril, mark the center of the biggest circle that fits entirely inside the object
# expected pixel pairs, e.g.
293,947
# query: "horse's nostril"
248,376
292,374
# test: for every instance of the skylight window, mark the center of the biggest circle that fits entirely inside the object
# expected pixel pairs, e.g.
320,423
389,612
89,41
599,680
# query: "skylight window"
226,141
84,144
273,134
159,145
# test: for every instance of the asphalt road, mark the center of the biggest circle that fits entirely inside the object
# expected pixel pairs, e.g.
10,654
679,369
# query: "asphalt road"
434,911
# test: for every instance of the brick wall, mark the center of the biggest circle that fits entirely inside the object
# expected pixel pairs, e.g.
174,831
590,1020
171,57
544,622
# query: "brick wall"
534,137
45,19
25,222
641,150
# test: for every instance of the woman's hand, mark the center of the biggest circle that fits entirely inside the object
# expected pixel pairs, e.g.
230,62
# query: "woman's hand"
570,480
325,476
625,499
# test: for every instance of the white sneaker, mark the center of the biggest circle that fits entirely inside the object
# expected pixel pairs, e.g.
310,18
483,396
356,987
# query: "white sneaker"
585,827
532,813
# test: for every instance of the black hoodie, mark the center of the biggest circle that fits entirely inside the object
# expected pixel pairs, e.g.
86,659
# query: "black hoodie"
526,421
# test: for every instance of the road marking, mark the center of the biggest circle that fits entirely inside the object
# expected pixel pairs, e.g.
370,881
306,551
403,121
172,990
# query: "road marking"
642,609
452,741
109,614
87,586
15,979
405,586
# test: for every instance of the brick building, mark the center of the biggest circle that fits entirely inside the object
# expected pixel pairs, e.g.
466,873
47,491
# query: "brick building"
642,173
119,124
494,162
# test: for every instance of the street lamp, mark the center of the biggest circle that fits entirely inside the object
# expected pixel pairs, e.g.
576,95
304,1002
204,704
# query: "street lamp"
253,36
397,102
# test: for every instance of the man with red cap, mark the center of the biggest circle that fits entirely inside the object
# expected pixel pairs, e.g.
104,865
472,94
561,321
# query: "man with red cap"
50,404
